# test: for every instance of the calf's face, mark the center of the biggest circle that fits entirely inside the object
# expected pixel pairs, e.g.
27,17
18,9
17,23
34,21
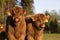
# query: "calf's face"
40,20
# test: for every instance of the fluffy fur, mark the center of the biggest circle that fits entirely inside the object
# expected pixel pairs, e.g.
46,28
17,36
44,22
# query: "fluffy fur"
17,31
35,26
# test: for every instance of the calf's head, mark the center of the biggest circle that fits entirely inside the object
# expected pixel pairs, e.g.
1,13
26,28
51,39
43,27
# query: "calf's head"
40,20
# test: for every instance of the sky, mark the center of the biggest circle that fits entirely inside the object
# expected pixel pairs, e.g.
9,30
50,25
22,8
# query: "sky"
42,5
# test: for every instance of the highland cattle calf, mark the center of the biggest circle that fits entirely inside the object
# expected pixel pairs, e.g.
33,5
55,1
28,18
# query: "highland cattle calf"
17,26
35,26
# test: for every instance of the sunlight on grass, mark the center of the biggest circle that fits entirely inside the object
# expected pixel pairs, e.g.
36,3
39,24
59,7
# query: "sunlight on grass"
51,37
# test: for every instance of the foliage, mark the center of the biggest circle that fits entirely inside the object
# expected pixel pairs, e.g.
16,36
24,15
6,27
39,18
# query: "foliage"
4,4
52,25
28,5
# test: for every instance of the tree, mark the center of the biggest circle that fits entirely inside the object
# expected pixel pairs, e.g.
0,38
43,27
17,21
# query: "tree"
3,5
52,25
28,5
47,28
11,3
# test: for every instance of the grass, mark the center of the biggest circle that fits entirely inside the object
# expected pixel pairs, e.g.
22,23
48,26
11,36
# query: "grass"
51,37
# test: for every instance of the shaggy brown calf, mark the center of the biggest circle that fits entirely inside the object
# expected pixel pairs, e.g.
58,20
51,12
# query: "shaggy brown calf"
17,27
35,26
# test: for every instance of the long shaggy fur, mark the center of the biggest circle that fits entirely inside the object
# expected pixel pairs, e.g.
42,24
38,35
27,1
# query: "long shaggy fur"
18,30
35,28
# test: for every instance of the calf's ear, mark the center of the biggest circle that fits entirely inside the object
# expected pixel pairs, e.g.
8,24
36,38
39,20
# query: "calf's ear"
47,18
9,12
33,18
24,11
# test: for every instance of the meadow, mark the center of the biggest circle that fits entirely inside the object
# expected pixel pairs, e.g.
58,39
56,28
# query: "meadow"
51,37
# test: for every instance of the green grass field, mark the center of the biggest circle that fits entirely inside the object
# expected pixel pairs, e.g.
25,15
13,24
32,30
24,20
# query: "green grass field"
51,37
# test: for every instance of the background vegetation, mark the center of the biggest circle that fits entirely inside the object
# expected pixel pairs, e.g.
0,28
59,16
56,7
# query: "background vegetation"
53,26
